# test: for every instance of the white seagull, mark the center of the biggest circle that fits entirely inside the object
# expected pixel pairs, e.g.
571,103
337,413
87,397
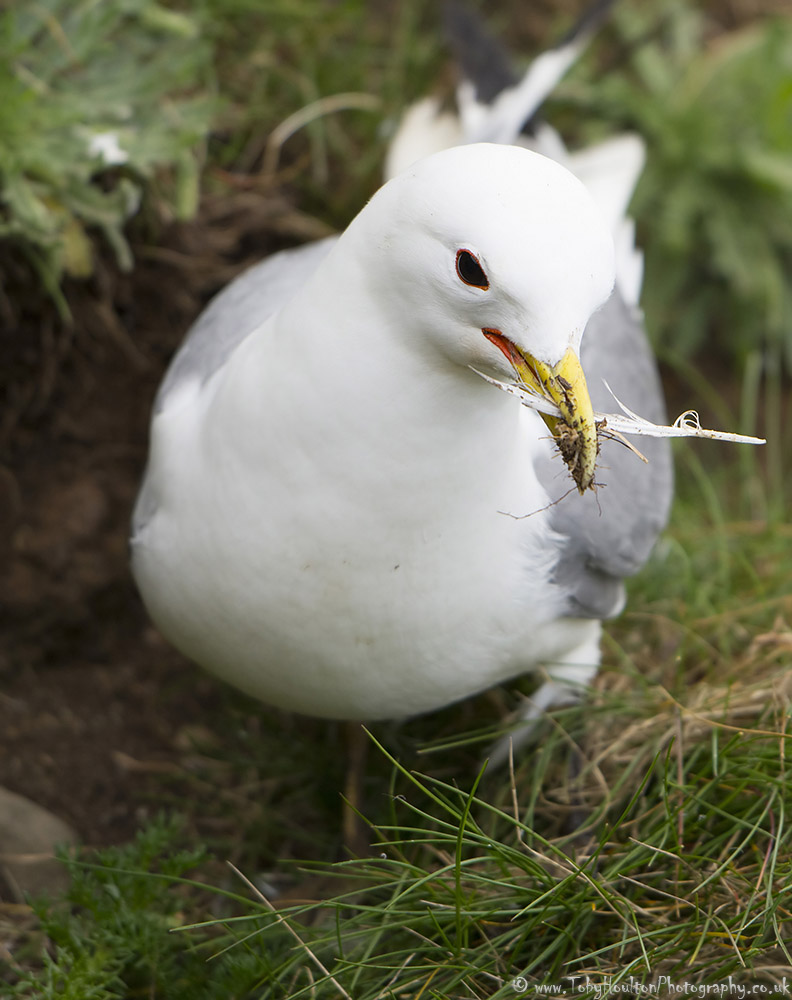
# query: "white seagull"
340,516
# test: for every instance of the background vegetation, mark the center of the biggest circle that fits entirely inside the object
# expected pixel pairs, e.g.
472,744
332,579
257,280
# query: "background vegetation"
648,838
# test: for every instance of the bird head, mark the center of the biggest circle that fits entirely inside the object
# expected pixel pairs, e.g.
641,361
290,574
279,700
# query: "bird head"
495,259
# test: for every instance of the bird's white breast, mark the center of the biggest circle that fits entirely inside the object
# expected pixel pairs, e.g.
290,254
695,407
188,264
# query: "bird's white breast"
340,569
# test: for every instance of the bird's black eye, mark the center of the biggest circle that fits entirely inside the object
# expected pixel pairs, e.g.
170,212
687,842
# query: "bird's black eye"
469,269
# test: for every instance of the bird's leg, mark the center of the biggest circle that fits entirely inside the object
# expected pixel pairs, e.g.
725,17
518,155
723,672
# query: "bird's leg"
568,678
356,839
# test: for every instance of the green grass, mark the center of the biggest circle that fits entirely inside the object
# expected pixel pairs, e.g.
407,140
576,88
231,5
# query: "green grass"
278,58
679,868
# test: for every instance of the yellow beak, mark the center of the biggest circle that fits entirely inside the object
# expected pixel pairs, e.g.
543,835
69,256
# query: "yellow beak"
575,430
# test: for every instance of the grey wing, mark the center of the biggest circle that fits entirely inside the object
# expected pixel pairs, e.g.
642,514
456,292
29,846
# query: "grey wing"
610,535
229,318
239,309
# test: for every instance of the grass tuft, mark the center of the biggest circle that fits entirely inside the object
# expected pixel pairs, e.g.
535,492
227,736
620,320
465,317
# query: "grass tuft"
650,841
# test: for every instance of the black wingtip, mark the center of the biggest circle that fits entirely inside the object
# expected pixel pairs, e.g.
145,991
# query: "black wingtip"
483,60
588,22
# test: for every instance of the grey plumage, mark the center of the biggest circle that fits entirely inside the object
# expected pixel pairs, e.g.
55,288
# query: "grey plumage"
236,311
610,534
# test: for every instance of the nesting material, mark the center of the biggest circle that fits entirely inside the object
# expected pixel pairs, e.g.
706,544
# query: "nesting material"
570,443
612,425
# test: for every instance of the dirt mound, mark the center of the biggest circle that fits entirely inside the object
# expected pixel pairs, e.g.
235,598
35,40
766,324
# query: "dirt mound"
86,685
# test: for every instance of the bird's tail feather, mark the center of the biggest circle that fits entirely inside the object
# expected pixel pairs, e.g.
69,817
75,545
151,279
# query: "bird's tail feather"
496,104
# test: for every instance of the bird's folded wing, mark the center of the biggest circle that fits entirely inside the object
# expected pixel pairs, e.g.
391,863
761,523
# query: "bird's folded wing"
236,312
609,533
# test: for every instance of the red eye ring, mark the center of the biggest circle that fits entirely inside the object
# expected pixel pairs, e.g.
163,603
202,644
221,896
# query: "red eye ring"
470,270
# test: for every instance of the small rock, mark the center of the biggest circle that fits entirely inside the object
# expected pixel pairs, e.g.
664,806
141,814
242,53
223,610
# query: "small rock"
28,837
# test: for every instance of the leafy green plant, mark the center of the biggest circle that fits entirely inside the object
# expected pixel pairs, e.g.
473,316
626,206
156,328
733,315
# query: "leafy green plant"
111,931
101,105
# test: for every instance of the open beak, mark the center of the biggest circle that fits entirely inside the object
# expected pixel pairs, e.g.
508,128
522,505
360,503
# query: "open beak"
575,430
